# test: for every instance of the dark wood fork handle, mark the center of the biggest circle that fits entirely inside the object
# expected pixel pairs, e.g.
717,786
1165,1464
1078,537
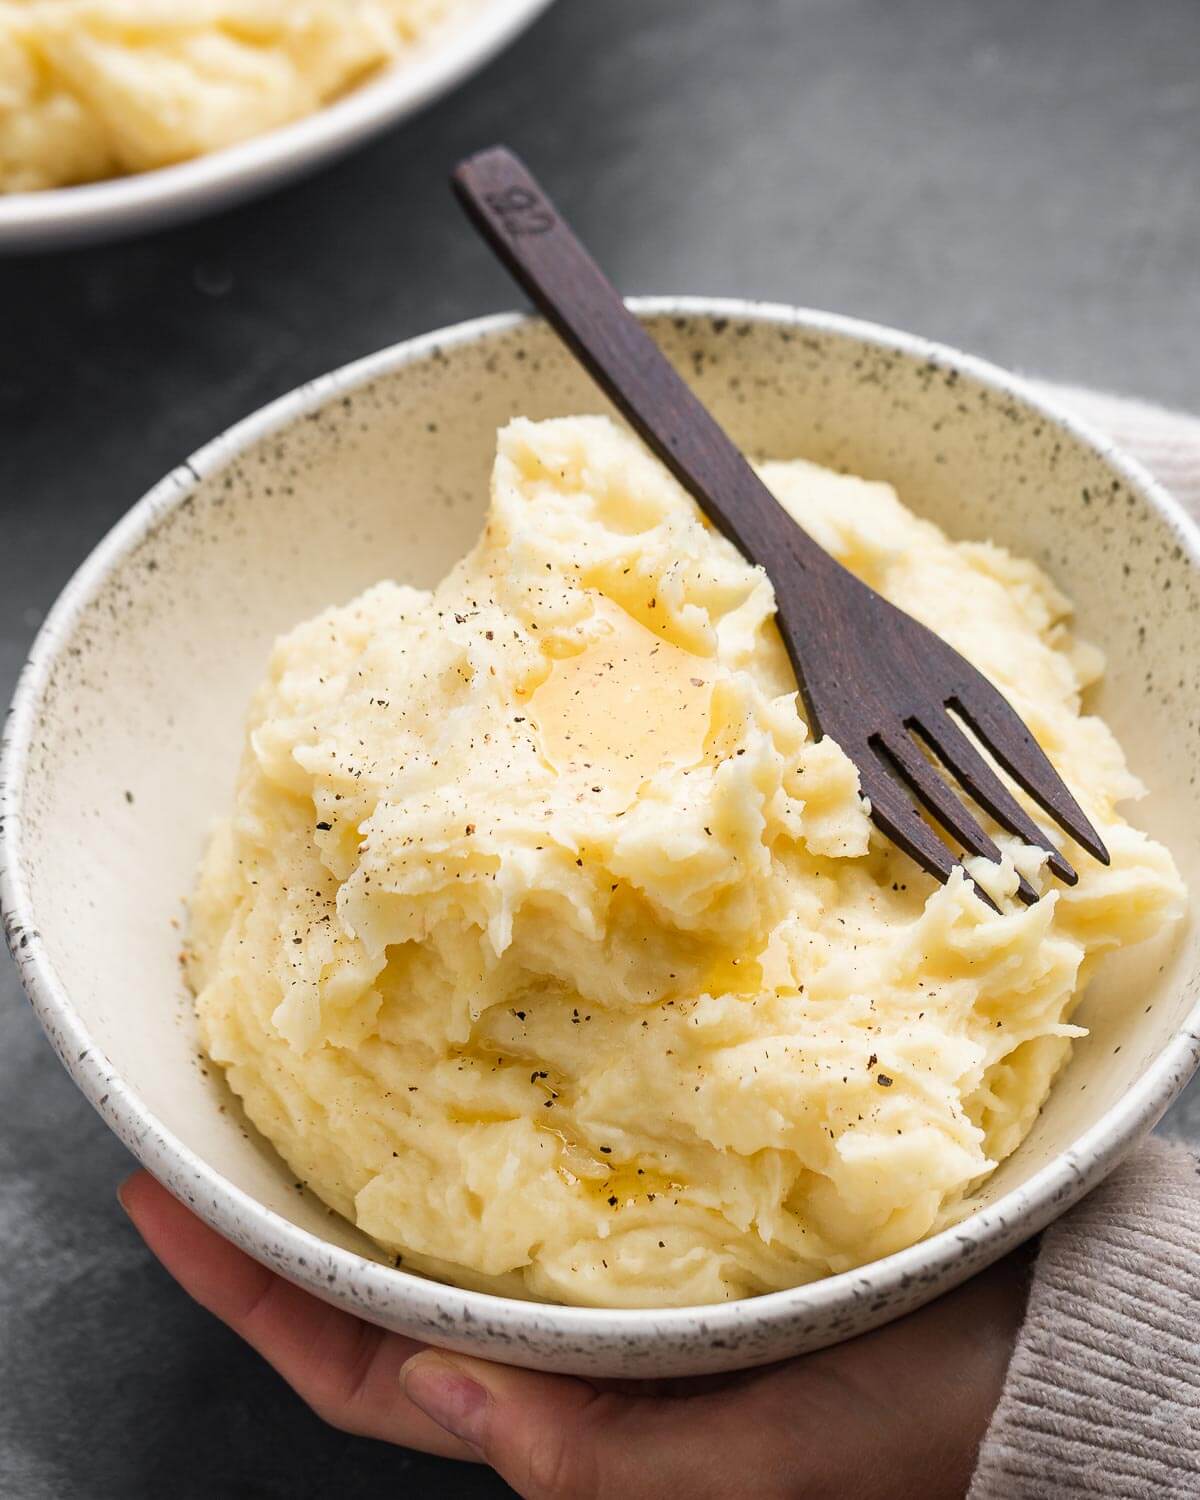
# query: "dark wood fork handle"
581,304
871,676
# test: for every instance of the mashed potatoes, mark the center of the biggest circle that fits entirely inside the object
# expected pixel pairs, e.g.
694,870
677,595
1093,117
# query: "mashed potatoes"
94,88
547,947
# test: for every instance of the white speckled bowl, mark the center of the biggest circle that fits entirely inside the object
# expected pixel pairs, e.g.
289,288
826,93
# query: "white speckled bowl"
126,727
471,34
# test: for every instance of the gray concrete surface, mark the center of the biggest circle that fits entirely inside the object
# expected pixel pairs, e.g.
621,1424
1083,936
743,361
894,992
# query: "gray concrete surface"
1020,179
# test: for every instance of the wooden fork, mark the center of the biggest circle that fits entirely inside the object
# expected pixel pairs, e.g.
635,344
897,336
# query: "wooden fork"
882,685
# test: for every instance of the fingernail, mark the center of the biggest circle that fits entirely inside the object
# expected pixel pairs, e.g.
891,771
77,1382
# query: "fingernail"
447,1396
121,1195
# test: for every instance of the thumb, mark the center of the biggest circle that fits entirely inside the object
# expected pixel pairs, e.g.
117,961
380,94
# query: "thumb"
556,1438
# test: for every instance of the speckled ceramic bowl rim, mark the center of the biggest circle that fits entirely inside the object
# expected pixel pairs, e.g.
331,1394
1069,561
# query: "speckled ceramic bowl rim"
123,205
945,1258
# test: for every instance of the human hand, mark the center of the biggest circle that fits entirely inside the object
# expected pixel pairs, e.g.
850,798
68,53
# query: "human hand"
893,1414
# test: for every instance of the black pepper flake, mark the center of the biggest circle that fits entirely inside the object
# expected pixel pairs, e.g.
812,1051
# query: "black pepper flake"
884,1081
613,1200
324,827
607,1150
872,1060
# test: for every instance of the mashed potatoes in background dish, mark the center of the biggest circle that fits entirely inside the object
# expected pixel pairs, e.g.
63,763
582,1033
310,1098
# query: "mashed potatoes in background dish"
548,948
96,88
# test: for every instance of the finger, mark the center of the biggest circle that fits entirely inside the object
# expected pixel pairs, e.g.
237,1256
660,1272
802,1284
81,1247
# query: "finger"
896,1412
348,1371
552,1437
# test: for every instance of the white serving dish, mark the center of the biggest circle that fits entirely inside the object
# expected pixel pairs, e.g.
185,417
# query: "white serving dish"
127,722
474,31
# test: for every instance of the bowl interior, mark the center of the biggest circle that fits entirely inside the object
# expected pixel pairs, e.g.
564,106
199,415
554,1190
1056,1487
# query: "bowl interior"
139,723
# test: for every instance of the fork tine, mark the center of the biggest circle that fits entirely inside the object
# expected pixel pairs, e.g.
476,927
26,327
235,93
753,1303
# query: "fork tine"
895,815
943,803
961,757
989,715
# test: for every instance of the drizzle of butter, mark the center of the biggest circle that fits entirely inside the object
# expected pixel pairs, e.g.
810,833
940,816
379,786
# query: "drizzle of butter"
734,975
622,709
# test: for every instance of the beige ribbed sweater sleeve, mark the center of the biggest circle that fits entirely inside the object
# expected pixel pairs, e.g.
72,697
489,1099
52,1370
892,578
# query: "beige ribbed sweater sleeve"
1102,1396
